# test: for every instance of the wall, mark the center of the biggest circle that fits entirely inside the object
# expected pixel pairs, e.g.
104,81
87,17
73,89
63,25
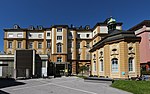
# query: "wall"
145,47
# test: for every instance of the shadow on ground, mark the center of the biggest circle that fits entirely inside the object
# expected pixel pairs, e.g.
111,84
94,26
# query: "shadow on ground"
8,83
3,92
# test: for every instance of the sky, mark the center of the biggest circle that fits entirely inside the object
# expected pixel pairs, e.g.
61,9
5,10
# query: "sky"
76,12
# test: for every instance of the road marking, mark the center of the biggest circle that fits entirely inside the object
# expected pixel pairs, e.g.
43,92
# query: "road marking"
41,85
89,92
31,86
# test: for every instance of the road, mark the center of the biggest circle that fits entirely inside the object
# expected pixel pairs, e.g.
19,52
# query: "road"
63,85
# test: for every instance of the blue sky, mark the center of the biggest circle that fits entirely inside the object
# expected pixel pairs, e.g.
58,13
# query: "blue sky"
76,12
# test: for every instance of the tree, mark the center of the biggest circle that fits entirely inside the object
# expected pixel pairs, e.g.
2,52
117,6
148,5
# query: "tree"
83,68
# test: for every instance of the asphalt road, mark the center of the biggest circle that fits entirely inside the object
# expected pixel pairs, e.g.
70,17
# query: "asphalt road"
63,85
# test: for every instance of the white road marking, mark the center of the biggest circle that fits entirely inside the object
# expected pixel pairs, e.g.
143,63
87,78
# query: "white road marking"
31,86
56,84
41,85
89,92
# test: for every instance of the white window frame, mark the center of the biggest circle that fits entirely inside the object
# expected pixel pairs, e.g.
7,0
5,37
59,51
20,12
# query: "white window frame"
59,59
59,37
94,66
59,29
114,65
10,46
39,35
59,48
48,44
131,66
39,45
19,46
10,35
101,62
48,34
30,45
19,35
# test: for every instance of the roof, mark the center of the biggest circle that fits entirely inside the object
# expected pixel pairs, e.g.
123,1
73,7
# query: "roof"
105,24
140,25
116,36
64,26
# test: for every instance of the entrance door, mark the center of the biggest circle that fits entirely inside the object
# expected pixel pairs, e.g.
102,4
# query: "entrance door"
60,70
50,69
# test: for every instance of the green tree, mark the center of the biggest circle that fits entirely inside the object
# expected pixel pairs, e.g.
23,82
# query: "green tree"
83,68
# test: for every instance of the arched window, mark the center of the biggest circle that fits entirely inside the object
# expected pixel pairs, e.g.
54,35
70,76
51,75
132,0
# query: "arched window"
94,56
131,62
114,65
59,48
101,65
94,66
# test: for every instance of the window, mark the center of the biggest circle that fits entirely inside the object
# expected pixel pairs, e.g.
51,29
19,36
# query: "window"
70,34
59,29
101,65
48,44
19,44
70,56
48,34
43,63
88,45
10,44
59,59
78,45
39,45
131,61
39,35
10,35
101,53
94,66
114,65
59,37
40,27
94,56
78,57
19,35
70,44
88,56
30,44
87,35
59,48
78,35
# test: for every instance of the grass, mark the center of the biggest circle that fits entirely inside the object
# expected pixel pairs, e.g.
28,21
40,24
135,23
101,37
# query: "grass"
136,87
81,76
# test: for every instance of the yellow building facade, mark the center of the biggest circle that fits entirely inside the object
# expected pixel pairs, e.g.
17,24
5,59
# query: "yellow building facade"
113,55
116,55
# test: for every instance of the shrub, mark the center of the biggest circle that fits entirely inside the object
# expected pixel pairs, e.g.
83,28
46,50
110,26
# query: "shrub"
145,72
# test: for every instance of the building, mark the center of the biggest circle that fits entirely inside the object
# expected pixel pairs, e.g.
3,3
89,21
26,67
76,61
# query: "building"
117,54
58,49
143,30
